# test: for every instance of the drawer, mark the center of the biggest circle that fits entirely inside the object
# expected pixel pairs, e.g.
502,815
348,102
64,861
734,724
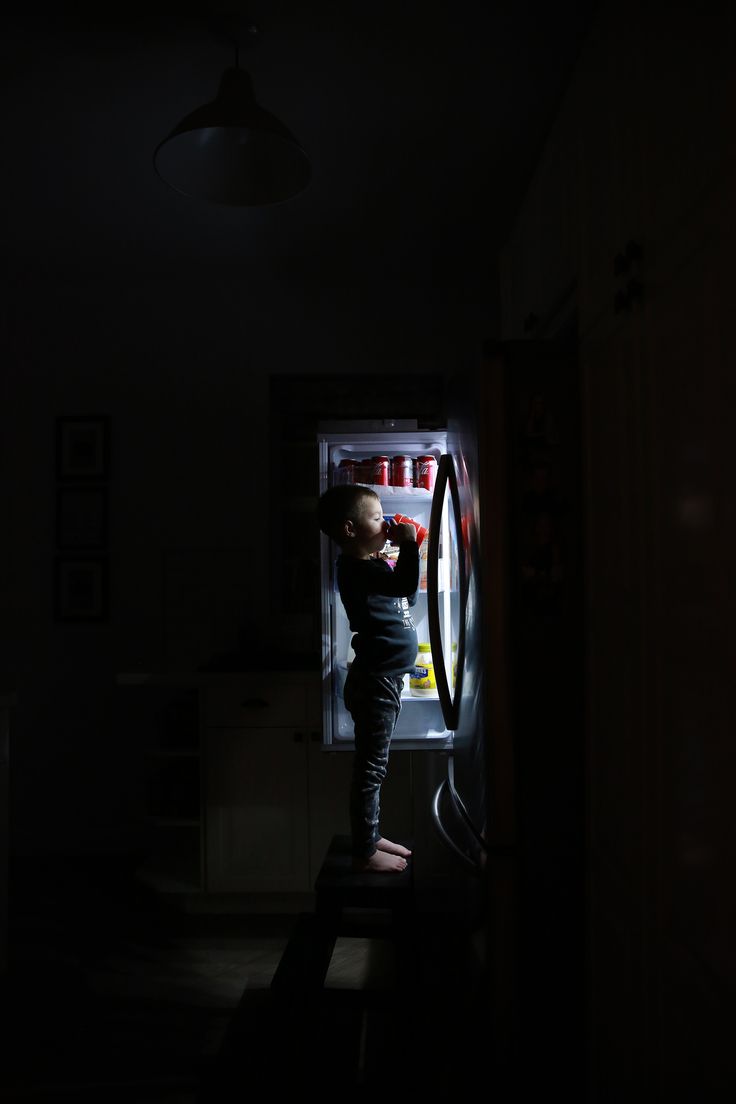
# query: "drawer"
268,700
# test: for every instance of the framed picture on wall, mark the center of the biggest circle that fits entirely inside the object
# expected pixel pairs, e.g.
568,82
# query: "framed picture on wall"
81,517
80,590
82,447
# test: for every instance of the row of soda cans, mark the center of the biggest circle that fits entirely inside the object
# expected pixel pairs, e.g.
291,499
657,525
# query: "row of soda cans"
389,471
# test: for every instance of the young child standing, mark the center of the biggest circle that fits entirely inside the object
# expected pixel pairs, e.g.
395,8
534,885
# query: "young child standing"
377,600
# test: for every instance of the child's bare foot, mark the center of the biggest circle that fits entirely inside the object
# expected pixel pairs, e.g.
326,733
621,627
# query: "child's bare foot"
381,862
392,848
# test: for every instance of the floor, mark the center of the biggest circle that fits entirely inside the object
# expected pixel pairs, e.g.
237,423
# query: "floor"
114,994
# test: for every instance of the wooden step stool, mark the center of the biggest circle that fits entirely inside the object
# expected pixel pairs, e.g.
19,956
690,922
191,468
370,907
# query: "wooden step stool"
339,887
381,904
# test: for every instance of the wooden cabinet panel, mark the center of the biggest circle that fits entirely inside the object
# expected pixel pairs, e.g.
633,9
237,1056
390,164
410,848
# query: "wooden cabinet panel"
267,699
686,108
692,388
610,166
520,277
257,812
329,787
539,262
661,542
161,719
257,787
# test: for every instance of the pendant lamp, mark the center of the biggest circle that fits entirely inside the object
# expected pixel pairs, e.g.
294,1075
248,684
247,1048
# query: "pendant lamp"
232,151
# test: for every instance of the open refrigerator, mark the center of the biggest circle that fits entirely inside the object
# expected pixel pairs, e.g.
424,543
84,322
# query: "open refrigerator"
426,720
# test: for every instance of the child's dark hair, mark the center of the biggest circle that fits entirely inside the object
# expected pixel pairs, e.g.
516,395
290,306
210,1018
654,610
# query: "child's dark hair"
339,503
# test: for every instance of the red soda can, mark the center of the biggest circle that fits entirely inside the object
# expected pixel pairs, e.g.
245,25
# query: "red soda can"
346,471
380,471
364,472
426,472
402,471
422,530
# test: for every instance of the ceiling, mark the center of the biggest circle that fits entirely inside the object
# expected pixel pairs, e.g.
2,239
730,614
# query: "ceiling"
421,132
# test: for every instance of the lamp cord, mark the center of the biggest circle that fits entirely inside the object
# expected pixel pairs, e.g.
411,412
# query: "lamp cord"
252,32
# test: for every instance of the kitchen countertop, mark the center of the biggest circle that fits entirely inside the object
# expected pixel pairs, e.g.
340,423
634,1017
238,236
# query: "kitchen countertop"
231,664
270,661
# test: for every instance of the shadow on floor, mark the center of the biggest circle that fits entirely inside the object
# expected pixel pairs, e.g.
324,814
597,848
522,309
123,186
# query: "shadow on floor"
114,995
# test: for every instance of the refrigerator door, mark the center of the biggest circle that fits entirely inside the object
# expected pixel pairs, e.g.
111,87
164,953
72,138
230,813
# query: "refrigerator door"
464,798
447,590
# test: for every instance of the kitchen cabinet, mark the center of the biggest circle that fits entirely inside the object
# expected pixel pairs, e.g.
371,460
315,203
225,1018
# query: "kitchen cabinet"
274,797
610,166
257,811
256,781
660,541
538,262
237,793
586,202
158,720
223,780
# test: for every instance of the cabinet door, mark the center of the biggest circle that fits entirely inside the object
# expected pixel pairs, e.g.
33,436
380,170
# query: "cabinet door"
161,724
691,538
661,543
267,699
329,788
539,264
610,167
257,820
688,87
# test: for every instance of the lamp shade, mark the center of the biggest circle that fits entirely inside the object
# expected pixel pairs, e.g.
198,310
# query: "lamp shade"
232,151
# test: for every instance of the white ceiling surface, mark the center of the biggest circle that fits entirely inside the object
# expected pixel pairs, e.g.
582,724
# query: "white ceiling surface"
421,138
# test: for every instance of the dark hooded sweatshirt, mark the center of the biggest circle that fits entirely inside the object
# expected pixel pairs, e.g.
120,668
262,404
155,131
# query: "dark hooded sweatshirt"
377,600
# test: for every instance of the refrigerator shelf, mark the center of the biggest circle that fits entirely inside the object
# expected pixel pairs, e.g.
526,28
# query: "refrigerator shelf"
406,695
398,493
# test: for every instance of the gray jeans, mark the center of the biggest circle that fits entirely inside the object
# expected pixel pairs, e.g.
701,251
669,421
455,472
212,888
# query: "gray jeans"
374,703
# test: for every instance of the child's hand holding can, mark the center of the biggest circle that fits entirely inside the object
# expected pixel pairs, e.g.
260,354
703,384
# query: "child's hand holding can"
413,530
